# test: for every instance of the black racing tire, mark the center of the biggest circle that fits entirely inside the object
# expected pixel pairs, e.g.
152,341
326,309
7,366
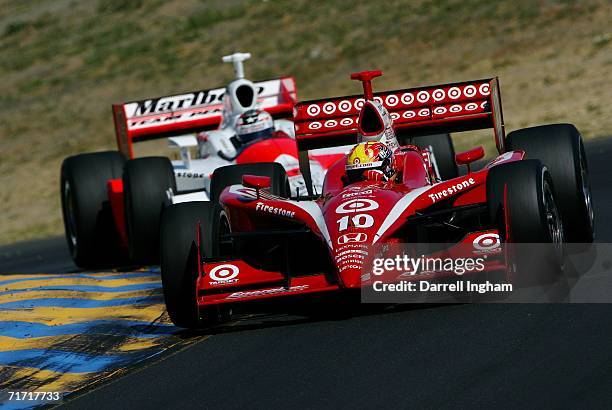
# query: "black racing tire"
444,153
145,185
88,220
561,150
534,224
232,174
179,262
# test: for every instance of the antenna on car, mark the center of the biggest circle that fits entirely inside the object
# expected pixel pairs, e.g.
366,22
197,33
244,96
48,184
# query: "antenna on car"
366,78
237,59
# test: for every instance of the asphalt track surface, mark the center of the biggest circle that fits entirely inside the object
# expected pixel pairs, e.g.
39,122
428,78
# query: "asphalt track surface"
459,356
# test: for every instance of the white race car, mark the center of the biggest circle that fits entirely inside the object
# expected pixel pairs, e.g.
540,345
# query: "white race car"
244,123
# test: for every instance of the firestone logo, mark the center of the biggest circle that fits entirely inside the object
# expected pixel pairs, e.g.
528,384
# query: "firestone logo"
451,190
260,206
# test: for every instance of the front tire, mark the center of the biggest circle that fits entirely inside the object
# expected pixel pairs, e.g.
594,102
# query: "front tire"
88,221
179,262
146,182
523,194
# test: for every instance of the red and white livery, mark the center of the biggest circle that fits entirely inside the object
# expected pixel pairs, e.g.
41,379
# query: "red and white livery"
262,243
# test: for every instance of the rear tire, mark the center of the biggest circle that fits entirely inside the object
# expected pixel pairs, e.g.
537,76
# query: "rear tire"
88,220
444,153
533,219
145,184
561,150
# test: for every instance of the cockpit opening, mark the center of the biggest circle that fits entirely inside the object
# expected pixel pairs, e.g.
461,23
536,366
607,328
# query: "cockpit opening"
370,120
245,96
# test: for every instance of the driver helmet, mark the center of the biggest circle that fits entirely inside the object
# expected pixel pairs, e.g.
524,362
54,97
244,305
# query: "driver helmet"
253,125
367,157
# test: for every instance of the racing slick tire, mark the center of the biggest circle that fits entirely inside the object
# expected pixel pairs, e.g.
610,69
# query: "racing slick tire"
88,220
232,174
179,264
532,216
444,153
561,150
145,184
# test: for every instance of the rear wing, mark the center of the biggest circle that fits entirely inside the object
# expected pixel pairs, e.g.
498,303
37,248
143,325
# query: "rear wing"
417,111
444,108
195,111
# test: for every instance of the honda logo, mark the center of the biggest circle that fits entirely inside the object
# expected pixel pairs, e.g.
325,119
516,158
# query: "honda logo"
352,238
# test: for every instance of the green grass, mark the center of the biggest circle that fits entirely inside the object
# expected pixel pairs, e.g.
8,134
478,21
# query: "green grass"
64,62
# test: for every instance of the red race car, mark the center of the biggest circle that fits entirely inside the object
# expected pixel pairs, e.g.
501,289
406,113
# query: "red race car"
258,242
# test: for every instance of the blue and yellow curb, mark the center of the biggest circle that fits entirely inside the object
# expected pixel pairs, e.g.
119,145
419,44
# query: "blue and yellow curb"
61,332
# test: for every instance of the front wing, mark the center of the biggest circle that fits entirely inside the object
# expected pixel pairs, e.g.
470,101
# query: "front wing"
234,280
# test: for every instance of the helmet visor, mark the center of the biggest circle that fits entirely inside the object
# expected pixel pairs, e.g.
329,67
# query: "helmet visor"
254,136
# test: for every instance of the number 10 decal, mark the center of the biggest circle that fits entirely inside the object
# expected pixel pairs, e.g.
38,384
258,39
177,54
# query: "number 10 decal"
359,221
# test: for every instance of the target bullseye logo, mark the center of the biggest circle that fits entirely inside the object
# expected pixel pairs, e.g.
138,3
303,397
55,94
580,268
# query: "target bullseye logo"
345,106
407,98
484,89
313,110
392,100
440,110
357,205
438,94
469,91
224,273
486,242
454,93
423,96
329,108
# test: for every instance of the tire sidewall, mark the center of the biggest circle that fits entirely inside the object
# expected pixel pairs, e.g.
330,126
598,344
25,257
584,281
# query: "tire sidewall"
97,240
146,182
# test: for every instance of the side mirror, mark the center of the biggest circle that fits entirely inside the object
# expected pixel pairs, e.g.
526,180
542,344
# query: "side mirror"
256,181
467,157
